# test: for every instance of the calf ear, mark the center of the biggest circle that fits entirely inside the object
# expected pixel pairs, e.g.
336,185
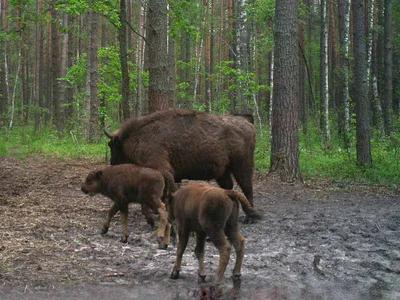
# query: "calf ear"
99,174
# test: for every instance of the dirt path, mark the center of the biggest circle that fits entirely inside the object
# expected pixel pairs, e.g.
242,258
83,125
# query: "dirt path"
312,244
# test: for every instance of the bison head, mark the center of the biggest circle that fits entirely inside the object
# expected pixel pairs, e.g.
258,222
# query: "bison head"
117,155
92,184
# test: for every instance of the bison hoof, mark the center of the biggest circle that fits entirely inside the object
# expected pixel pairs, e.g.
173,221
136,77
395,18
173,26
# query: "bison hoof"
104,230
249,220
174,274
124,239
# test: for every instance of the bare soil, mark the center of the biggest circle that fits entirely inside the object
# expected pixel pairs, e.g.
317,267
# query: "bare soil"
315,242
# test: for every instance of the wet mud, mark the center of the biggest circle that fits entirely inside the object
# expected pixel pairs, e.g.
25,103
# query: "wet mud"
314,242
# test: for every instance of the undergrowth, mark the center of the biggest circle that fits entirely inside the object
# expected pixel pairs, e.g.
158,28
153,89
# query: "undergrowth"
336,165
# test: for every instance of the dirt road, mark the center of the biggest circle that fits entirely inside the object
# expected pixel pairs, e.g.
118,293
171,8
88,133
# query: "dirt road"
314,242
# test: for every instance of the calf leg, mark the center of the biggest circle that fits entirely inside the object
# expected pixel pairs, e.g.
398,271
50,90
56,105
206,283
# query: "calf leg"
238,242
159,206
111,213
182,242
218,238
148,214
124,218
199,251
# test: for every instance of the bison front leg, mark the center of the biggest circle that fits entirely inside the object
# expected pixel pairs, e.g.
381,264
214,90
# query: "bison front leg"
124,219
111,213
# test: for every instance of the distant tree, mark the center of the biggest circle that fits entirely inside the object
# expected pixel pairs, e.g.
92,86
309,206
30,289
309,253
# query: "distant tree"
361,85
122,37
92,79
388,61
324,82
157,51
344,110
285,105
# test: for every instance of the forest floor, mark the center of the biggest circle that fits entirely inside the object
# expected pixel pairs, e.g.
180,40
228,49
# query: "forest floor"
50,246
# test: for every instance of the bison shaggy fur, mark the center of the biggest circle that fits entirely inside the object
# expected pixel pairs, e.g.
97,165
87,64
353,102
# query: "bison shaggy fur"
186,144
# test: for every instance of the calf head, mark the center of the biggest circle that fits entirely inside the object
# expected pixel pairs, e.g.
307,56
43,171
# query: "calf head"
92,184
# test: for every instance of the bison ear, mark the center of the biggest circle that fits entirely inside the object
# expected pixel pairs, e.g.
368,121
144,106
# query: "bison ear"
99,174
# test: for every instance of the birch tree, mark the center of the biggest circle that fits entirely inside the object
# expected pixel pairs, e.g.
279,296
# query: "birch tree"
324,83
344,111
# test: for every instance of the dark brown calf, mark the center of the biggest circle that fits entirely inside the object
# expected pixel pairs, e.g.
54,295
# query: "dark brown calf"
213,212
125,184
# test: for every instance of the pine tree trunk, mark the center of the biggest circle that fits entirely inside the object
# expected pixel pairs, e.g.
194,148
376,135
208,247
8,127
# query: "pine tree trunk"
302,78
63,89
55,69
361,85
324,83
123,55
157,51
388,61
69,97
285,105
171,69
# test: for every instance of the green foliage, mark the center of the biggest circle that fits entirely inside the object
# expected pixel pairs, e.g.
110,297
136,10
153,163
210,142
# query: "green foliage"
24,141
338,166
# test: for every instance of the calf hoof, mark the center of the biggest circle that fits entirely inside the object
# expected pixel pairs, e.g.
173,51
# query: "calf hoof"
104,230
124,239
161,244
201,278
174,274
237,280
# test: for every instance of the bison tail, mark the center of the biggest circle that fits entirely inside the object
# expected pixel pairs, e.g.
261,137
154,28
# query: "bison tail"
248,210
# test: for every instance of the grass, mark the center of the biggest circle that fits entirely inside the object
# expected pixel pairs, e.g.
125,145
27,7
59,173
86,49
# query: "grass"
336,165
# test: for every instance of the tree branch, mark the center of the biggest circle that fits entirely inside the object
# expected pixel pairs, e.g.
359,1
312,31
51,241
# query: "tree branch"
130,26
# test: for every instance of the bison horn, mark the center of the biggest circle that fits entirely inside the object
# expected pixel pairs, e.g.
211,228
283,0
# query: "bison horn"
107,133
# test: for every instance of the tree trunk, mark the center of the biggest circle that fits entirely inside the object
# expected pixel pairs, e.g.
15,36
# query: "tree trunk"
25,77
92,79
157,51
242,62
171,68
38,69
69,97
285,105
140,61
3,70
361,85
63,84
55,69
388,61
302,78
324,88
344,114
208,53
123,55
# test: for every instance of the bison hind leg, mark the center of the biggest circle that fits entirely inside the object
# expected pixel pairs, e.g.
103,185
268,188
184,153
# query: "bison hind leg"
225,181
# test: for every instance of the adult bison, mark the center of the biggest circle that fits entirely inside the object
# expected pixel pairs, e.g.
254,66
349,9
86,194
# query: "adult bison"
186,144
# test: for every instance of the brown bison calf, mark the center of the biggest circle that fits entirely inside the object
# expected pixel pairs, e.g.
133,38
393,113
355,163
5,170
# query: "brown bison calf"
214,212
125,184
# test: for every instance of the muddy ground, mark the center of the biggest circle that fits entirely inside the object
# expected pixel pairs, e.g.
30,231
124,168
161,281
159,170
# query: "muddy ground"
50,246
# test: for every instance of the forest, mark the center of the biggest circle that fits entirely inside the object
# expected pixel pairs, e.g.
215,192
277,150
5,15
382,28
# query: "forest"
70,68
320,81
